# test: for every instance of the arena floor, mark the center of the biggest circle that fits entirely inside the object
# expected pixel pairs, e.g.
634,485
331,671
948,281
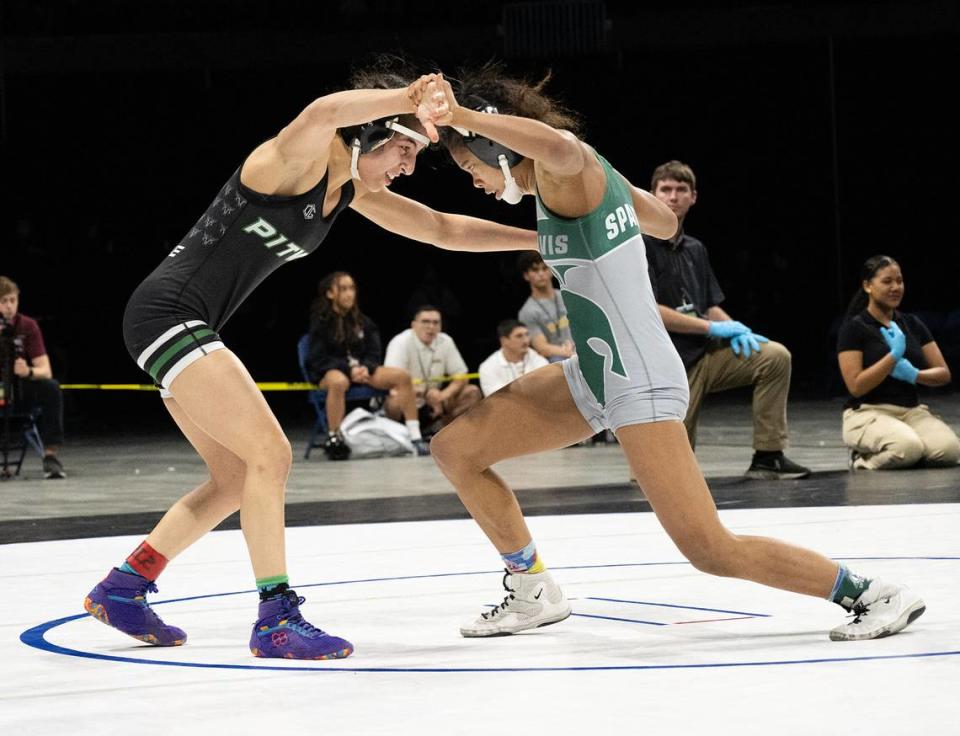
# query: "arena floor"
385,557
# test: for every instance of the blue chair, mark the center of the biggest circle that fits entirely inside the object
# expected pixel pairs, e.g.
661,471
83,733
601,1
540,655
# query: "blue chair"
24,434
318,398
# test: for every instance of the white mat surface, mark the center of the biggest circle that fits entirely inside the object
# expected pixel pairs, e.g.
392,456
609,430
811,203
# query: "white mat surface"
653,647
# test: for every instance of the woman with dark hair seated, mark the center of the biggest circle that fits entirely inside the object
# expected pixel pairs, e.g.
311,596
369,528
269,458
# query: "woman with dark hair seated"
883,354
345,350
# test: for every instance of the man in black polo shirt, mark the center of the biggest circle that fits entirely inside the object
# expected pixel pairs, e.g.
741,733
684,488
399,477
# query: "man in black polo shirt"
718,352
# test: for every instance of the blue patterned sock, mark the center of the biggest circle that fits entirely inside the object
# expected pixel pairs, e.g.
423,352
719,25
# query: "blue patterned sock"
524,560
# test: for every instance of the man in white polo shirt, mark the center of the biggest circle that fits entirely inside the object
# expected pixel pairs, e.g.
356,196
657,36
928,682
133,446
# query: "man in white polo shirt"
514,358
427,353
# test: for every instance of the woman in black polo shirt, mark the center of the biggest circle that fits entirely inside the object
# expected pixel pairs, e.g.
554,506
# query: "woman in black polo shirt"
883,354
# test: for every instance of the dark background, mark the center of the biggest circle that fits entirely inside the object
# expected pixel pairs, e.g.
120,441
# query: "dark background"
821,133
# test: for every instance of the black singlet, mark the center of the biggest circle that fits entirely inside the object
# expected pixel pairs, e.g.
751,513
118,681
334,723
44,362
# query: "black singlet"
240,240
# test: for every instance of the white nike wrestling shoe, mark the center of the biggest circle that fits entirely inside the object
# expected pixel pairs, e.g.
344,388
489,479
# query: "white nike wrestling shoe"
533,600
882,609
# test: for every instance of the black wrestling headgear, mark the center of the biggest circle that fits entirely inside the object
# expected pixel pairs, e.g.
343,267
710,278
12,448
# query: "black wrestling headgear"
492,153
485,149
370,136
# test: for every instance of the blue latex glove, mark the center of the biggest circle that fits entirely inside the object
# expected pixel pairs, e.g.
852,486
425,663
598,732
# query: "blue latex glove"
904,370
895,339
746,343
727,329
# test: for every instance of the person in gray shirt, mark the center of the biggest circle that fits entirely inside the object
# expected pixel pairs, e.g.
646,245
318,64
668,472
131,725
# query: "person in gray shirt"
543,313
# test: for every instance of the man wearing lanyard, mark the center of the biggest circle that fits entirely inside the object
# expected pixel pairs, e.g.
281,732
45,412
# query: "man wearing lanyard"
543,313
428,353
718,352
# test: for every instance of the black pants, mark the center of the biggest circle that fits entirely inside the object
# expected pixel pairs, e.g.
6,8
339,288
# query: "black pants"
46,395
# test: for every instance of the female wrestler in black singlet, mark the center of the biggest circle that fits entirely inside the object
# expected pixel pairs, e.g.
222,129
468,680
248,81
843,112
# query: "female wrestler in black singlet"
277,207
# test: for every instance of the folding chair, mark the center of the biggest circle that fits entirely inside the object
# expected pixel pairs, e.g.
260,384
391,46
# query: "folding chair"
318,398
23,434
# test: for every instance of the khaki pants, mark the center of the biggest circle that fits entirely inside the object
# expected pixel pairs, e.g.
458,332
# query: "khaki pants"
769,374
888,436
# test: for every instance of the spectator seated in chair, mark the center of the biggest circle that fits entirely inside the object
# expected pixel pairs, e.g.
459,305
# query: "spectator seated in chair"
514,358
345,350
543,312
31,368
718,352
427,353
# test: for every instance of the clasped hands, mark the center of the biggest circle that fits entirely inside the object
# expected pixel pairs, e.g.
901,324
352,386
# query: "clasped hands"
359,374
434,399
432,96
903,369
742,339
21,368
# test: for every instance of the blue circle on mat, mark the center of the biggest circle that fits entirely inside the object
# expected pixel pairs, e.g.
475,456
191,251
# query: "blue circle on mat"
36,637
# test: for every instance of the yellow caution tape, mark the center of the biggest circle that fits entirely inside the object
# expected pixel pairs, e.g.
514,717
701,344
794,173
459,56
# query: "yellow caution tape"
109,386
264,386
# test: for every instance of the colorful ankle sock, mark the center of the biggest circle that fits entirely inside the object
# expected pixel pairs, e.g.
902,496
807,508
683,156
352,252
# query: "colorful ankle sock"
145,561
848,587
524,560
272,587
413,427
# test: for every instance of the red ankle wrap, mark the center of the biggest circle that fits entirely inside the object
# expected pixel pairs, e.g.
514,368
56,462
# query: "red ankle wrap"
147,561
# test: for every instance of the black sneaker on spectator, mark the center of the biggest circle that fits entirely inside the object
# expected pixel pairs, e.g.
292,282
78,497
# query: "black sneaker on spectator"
775,466
52,469
421,448
336,447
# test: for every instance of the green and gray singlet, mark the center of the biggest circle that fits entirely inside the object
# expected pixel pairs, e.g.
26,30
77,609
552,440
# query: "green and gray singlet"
626,370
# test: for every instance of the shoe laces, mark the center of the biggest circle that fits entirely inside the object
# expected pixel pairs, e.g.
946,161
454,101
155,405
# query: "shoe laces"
149,586
858,611
141,598
297,621
502,608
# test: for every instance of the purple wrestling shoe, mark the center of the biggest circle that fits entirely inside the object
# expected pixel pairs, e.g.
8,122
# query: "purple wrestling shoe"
120,601
281,631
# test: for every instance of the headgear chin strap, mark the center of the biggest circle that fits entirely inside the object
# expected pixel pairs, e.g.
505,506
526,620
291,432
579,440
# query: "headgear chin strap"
512,194
494,154
370,136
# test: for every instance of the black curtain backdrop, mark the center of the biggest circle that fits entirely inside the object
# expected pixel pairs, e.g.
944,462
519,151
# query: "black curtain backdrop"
819,136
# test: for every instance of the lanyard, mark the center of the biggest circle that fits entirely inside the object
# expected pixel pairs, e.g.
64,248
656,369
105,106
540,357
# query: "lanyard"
557,305
523,366
424,373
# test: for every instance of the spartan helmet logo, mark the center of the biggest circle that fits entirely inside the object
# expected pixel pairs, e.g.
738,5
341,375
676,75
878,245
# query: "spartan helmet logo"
309,211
